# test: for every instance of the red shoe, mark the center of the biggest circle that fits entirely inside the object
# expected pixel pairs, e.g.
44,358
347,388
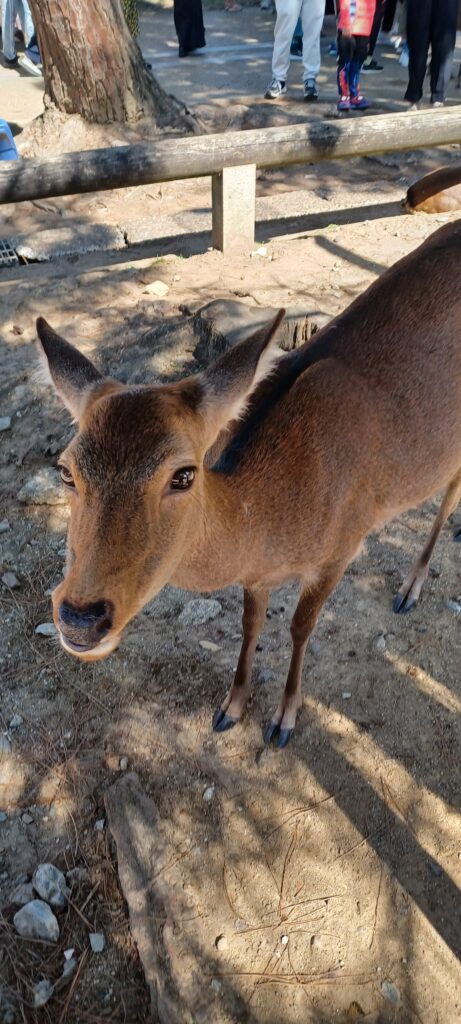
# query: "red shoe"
359,103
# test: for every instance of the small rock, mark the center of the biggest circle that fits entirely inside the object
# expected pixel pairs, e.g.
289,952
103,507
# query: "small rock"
158,288
3,816
4,526
46,629
70,967
5,746
454,607
381,644
50,884
209,793
36,921
265,676
390,992
44,488
100,824
27,818
5,423
240,925
23,894
68,954
221,942
208,645
216,985
284,940
42,991
10,580
16,722
346,695
199,610
97,942
123,764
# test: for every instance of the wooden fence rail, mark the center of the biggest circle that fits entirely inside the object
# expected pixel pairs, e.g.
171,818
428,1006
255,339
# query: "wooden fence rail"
231,159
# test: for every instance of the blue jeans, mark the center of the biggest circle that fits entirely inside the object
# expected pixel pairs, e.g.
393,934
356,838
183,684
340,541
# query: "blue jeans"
11,8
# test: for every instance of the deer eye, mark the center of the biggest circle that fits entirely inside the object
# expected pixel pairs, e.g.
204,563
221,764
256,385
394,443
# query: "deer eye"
183,479
66,475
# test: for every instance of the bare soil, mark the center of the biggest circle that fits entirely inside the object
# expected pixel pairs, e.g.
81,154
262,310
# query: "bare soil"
348,843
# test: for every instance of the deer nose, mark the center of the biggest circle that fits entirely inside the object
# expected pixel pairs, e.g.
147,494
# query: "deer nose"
84,627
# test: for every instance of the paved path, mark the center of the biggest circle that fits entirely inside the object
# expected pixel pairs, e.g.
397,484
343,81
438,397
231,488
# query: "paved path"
234,67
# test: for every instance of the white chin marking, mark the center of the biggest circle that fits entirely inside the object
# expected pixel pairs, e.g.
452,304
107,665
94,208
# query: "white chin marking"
102,650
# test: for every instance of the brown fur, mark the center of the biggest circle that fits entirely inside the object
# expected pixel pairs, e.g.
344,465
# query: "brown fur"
437,192
347,432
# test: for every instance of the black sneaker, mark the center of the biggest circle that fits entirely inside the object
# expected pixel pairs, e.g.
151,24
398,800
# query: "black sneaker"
311,92
371,66
10,63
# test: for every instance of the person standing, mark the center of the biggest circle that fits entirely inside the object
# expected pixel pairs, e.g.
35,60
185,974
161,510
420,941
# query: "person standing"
354,26
430,23
288,12
188,20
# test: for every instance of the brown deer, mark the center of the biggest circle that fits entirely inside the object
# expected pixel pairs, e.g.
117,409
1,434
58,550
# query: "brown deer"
438,191
328,442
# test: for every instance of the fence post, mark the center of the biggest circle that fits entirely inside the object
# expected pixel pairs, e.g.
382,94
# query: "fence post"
233,202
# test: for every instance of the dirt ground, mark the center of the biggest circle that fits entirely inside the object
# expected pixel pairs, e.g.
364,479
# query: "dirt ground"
328,872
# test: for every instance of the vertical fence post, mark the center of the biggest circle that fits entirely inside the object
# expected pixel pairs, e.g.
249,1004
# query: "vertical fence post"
233,200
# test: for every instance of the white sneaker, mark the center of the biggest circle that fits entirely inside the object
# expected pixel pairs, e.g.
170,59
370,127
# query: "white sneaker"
275,89
28,65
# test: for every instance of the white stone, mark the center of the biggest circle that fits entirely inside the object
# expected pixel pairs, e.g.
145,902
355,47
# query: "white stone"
68,954
157,288
199,610
208,645
36,921
123,764
10,580
44,488
43,991
346,695
97,942
50,884
46,629
209,793
5,423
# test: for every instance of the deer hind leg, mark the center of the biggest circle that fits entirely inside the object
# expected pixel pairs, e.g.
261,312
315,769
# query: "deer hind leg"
410,590
282,725
254,614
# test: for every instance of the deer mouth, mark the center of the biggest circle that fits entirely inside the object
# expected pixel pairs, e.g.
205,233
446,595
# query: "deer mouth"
90,652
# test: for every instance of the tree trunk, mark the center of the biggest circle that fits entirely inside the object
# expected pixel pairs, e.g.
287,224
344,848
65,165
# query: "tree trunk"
91,64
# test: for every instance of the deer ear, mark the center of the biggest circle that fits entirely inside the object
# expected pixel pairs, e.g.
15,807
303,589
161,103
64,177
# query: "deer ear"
64,366
231,380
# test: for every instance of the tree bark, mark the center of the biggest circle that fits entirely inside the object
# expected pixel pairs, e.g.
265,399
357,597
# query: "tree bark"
91,64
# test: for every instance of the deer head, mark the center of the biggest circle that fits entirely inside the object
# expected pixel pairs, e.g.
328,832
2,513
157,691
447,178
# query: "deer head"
136,480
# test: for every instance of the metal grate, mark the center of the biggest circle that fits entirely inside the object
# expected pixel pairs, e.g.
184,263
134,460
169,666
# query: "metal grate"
8,256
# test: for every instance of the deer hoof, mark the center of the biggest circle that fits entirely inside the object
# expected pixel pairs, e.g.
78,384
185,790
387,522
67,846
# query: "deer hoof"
222,721
403,603
457,535
270,732
284,737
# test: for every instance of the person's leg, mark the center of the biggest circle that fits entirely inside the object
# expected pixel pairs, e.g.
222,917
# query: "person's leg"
287,15
312,13
443,41
358,102
418,38
25,17
345,52
377,21
9,11
188,20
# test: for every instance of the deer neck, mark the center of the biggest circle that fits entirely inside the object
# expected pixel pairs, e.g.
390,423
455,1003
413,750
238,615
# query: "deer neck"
218,542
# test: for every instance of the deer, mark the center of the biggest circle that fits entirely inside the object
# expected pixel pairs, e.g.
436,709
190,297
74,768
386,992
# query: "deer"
264,468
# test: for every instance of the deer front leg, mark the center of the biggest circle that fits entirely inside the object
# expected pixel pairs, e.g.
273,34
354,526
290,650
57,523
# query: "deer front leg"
282,725
254,614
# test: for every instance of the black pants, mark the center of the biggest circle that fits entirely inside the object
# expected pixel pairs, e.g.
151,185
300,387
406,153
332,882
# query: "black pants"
377,21
430,23
188,21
